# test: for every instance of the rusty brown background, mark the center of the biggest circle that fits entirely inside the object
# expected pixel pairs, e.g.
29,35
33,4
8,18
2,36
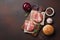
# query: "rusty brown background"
12,16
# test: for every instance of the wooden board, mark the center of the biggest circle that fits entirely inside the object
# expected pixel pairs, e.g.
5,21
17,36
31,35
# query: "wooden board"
37,28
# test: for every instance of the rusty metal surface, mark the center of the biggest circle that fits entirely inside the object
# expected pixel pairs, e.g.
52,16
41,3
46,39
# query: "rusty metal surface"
12,16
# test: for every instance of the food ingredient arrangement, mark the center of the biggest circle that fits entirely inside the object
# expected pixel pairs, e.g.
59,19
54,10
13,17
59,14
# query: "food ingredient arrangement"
36,20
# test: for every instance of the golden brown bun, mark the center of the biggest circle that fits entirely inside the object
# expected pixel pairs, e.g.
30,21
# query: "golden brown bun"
48,29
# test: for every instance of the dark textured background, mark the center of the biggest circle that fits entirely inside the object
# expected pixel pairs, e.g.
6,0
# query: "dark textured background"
12,16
